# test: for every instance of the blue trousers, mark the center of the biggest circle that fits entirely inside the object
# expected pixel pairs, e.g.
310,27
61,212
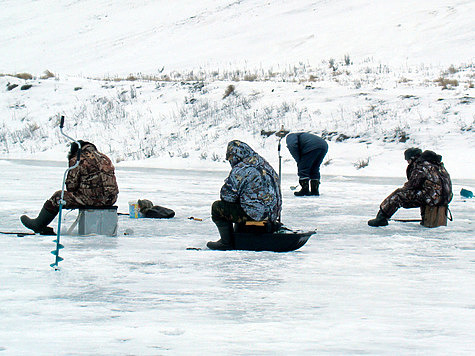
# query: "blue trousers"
309,164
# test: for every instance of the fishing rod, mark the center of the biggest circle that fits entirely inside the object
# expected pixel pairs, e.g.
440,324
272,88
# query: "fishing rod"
19,234
280,134
61,200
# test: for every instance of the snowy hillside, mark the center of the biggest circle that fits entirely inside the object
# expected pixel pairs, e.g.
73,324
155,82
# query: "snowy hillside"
97,37
173,82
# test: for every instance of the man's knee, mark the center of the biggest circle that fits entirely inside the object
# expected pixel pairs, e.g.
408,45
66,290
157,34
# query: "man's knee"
52,204
56,196
217,211
69,201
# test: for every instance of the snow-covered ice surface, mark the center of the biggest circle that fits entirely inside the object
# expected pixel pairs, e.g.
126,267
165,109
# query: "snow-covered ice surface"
351,289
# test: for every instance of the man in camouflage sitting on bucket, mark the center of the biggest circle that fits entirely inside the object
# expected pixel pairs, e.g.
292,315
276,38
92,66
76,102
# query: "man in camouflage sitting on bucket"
428,184
91,183
250,193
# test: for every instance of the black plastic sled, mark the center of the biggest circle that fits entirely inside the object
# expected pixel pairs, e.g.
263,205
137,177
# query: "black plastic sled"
256,238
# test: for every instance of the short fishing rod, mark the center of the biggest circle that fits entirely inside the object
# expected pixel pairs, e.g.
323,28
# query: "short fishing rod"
281,134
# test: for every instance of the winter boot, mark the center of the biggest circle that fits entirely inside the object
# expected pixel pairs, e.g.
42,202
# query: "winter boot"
225,242
305,189
40,224
314,184
380,220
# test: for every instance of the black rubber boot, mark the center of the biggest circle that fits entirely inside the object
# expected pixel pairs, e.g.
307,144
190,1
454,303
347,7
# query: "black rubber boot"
314,185
305,188
380,220
40,224
225,242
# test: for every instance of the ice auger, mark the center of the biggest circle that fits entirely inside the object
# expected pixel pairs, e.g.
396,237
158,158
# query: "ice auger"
61,201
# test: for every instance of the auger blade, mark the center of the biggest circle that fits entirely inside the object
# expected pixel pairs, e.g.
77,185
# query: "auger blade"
55,266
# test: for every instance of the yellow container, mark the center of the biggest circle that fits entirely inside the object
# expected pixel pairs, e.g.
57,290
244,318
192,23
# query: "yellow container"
134,210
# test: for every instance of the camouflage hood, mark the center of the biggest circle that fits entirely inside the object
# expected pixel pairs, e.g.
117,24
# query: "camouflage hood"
239,151
252,183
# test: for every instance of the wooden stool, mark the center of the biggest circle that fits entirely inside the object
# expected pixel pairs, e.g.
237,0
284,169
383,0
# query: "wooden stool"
435,216
256,223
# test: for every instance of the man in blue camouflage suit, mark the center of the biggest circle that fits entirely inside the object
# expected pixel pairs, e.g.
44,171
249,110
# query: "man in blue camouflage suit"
250,193
91,183
428,184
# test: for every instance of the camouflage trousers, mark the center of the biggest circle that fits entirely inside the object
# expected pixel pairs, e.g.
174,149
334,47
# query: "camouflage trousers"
72,201
401,198
225,212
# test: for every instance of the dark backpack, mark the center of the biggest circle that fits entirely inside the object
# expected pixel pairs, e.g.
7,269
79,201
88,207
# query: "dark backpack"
154,211
436,159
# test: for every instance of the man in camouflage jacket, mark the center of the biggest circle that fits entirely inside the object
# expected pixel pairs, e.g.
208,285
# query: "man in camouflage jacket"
91,183
250,192
428,184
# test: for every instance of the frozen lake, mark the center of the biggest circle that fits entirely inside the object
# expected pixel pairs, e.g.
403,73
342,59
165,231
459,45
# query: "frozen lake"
351,289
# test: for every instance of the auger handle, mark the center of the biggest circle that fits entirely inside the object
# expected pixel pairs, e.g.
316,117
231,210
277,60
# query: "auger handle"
61,123
78,155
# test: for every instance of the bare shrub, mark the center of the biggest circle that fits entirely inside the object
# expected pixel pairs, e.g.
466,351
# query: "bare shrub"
25,76
452,70
229,90
250,77
347,60
397,135
327,162
33,127
47,74
362,163
404,80
332,64
133,92
447,83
